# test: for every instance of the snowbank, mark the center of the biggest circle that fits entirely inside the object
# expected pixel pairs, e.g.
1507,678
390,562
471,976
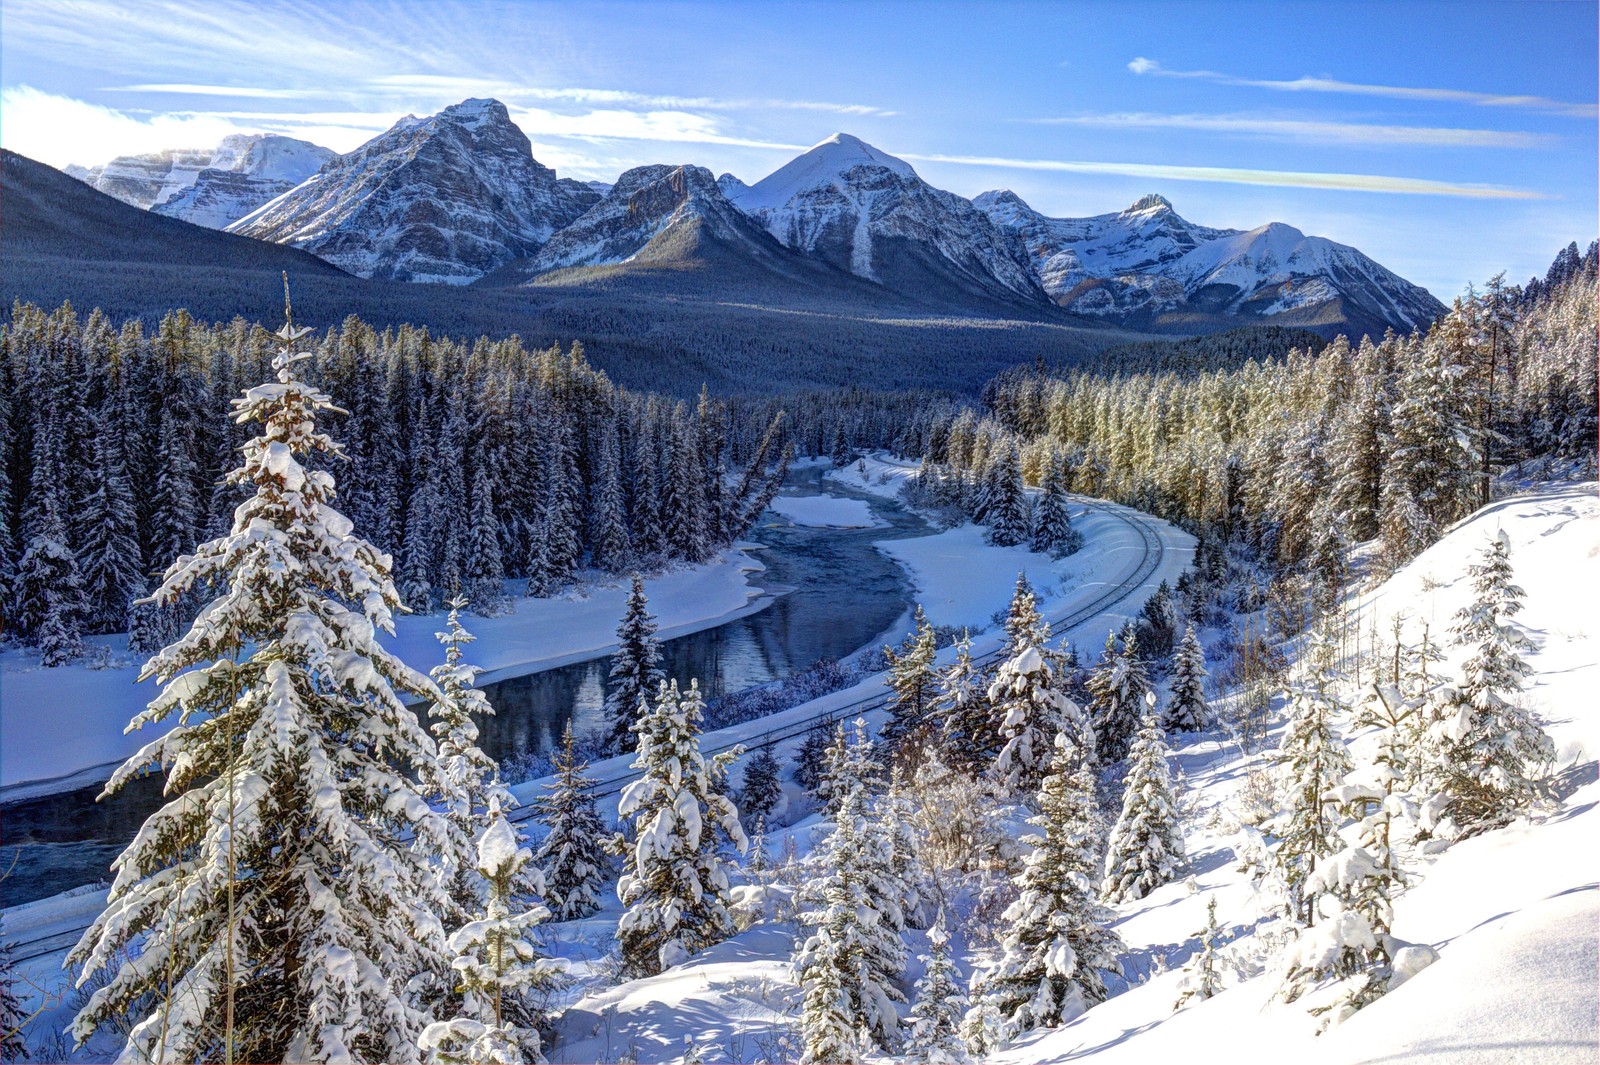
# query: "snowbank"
59,724
827,512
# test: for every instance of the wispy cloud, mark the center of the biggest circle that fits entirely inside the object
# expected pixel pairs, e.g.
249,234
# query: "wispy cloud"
1151,67
1312,131
1237,176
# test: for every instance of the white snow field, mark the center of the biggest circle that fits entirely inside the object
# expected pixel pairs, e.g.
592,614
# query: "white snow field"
826,512
63,726
1512,913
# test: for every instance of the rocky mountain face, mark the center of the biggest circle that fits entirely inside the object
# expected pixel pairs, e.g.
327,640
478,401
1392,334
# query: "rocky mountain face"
1146,262
446,198
869,213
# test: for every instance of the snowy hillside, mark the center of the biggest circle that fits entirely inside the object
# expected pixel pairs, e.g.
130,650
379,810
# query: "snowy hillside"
444,198
1147,260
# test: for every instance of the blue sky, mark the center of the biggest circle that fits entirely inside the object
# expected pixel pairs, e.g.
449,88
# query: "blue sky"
1448,140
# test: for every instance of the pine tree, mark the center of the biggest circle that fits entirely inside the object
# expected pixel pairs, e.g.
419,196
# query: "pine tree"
1201,977
1496,754
485,565
938,1006
50,592
675,878
811,760
287,878
913,681
849,962
1025,626
1056,946
1027,698
635,668
906,868
1006,508
1052,526
762,787
1158,622
1312,762
13,1018
612,549
572,857
468,780
970,736
1118,685
109,555
497,963
1145,843
1186,707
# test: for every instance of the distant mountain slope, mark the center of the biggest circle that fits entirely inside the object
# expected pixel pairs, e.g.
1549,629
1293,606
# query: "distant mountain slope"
210,187
867,212
446,198
661,328
1148,266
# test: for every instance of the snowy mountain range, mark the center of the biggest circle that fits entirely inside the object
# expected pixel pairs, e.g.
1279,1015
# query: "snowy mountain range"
209,187
459,198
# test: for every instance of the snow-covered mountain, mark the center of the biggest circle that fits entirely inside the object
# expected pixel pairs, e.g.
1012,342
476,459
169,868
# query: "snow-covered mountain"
208,186
445,198
1145,261
869,213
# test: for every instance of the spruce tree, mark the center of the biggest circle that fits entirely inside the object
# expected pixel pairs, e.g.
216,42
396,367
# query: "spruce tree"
1202,978
1006,506
938,1006
1032,710
1146,842
906,868
287,880
1053,533
572,858
674,884
485,565
612,548
811,760
109,554
762,786
913,681
1118,685
969,735
497,963
1311,762
1496,754
635,668
1186,709
468,780
1056,946
50,593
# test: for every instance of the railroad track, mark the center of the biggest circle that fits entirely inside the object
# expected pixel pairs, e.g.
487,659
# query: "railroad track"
1151,556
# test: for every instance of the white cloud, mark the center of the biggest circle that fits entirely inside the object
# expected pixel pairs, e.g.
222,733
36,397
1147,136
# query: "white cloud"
1142,65
1237,176
59,130
1308,130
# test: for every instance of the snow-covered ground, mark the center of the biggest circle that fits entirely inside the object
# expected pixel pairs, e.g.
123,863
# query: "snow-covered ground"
1513,913
826,512
63,726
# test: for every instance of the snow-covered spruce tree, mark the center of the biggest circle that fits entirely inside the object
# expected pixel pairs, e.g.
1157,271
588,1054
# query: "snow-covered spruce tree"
851,762
674,881
51,593
635,668
968,734
1146,842
854,952
485,567
1027,699
1057,946
1024,625
938,1006
1053,533
573,857
811,760
13,1018
762,787
109,552
1311,762
906,869
1117,687
1495,754
1006,506
468,780
1186,709
497,963
282,898
1158,623
1202,976
613,549
914,682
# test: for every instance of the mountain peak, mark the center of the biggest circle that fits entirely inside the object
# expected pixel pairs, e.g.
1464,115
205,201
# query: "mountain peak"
824,164
474,112
1152,203
844,150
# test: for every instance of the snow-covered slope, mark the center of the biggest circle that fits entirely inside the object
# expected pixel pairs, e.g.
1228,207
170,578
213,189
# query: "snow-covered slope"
146,180
244,173
444,198
1148,260
869,213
